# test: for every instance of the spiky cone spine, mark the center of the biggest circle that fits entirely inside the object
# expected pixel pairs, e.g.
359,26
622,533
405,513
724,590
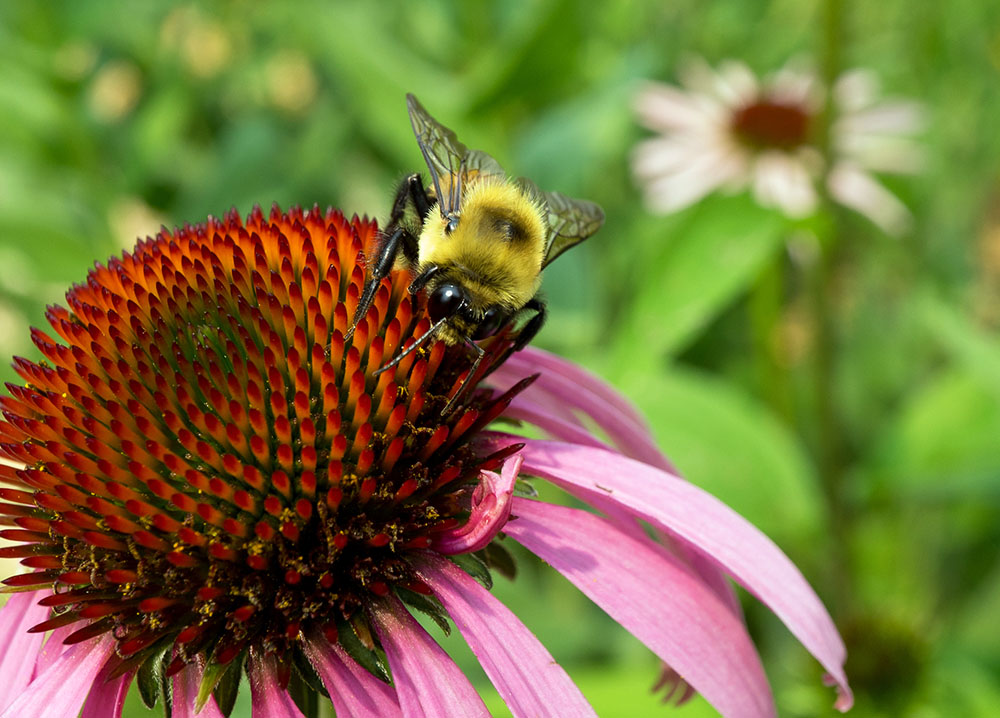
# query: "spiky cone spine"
209,468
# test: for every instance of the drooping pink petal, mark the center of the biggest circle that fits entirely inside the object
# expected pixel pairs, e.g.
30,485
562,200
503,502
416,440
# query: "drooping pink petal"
490,509
524,409
528,679
428,682
53,648
656,597
706,524
107,697
563,385
268,698
19,648
186,684
355,692
61,690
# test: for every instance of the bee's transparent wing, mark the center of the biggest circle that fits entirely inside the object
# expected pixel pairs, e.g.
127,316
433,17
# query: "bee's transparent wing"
446,156
570,222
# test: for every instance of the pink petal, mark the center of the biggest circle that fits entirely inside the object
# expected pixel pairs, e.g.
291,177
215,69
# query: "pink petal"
53,648
428,682
268,698
355,692
186,684
61,690
563,385
490,509
530,682
524,409
107,697
708,525
19,648
656,597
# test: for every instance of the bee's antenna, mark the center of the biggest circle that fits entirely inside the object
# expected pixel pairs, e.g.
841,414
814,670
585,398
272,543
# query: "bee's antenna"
421,340
480,353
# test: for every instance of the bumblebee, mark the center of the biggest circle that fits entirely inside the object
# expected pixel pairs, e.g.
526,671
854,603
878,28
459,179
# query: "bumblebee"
476,241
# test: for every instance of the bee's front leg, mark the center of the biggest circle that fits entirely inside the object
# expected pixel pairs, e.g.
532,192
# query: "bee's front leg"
395,239
530,329
380,266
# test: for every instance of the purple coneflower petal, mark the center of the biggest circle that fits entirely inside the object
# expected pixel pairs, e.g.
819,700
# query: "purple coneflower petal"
563,385
708,525
107,697
186,684
557,427
428,682
17,659
355,692
268,699
62,688
53,648
530,682
490,509
656,597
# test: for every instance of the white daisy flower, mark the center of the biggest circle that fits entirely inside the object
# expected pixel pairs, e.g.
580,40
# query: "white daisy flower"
727,130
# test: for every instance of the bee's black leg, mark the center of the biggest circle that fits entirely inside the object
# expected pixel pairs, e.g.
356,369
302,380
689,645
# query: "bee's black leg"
480,353
410,190
395,239
530,329
383,262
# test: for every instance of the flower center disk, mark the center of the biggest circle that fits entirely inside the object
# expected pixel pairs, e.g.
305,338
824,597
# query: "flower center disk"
772,124
211,467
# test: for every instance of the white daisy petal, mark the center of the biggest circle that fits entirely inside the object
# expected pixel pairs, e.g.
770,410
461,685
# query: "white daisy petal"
895,118
663,108
783,182
855,90
855,188
680,189
893,155
740,83
662,155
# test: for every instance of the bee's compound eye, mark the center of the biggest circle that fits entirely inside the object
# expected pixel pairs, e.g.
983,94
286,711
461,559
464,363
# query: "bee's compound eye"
493,319
444,301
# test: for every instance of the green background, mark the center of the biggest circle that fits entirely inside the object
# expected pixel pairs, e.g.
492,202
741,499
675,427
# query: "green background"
116,117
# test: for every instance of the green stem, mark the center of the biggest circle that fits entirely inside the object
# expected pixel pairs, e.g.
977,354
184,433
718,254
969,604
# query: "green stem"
830,447
766,300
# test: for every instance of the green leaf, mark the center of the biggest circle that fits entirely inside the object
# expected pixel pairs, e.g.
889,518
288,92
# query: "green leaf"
729,444
967,342
428,605
306,673
149,678
357,650
474,566
499,559
222,680
943,443
228,686
524,489
692,269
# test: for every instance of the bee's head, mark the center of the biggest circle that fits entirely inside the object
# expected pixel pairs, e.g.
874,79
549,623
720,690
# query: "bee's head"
453,301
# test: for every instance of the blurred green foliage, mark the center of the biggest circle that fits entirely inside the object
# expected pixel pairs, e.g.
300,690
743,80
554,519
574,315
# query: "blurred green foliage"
118,116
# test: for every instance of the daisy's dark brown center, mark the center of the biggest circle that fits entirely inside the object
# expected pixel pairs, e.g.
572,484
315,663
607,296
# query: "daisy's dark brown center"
209,466
772,124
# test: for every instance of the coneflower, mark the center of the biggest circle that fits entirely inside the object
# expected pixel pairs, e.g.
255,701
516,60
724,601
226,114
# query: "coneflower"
206,480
